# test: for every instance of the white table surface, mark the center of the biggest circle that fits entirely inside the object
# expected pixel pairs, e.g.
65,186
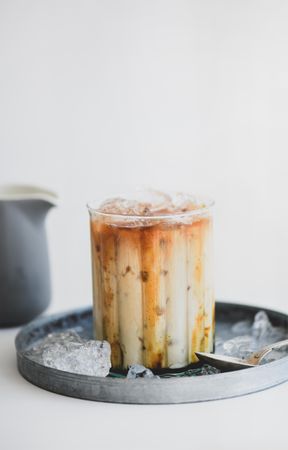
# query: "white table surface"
32,418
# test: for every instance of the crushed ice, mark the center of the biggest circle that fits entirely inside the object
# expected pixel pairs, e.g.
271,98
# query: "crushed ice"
250,337
69,352
138,371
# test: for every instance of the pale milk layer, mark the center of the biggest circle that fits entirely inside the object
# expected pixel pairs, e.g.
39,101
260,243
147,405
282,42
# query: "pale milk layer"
153,287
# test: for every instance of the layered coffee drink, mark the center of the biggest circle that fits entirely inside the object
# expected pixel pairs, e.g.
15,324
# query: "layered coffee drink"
153,279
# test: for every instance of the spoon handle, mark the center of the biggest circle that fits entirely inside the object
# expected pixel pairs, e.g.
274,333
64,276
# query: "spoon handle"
258,356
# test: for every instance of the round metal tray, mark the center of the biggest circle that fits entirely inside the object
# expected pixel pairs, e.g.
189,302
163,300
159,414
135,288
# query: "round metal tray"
148,391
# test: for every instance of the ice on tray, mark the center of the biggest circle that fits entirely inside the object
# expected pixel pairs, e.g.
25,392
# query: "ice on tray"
69,352
138,371
250,337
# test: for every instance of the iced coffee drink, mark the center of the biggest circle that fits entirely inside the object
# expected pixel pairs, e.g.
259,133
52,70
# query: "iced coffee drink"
153,279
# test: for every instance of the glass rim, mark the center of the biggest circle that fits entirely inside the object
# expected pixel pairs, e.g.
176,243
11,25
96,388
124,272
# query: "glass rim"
208,204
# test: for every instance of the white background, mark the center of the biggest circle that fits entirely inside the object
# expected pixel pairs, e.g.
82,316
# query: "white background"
97,96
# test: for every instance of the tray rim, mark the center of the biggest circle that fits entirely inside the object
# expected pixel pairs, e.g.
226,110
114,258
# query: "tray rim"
151,391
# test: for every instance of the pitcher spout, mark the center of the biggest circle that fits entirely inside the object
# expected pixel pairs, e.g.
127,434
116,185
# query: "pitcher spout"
28,192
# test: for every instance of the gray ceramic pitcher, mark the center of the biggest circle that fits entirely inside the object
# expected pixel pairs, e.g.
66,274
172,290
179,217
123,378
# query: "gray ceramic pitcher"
24,264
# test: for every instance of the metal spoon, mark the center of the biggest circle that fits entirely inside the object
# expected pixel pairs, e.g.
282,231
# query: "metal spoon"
229,363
